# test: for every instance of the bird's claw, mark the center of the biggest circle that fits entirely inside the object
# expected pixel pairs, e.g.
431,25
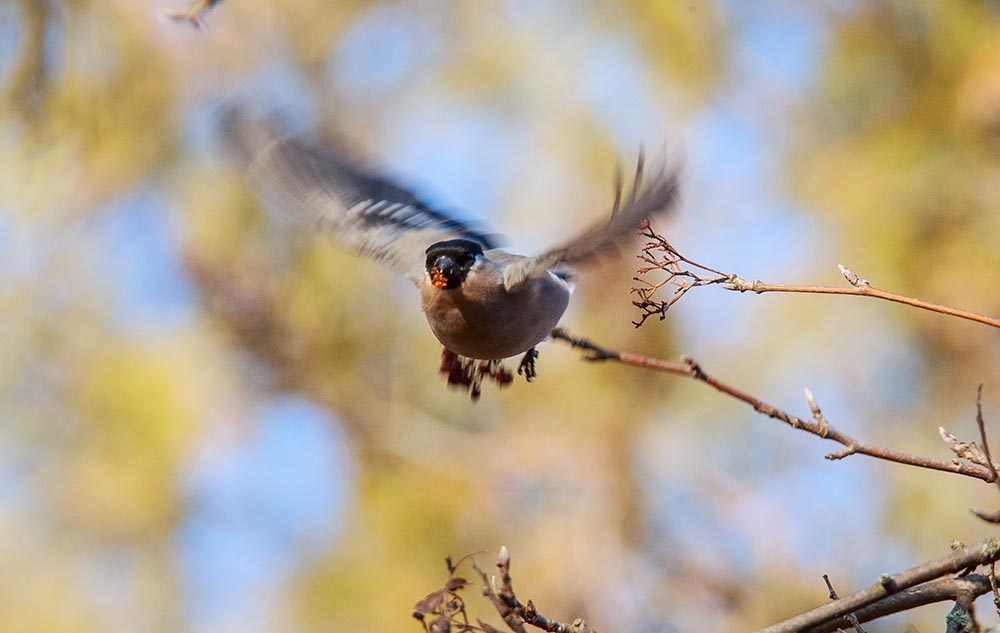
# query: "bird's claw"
469,373
527,366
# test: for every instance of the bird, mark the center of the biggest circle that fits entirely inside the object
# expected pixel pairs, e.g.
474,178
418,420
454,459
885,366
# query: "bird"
482,303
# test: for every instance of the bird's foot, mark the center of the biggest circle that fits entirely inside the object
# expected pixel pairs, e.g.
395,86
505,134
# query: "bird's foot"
469,373
527,366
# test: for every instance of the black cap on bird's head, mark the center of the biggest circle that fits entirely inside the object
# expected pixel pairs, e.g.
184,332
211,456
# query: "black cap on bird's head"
449,262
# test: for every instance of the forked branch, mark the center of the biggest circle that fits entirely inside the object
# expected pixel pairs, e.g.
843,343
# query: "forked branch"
890,590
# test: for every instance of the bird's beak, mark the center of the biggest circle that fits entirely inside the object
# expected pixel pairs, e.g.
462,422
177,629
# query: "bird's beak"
438,279
444,270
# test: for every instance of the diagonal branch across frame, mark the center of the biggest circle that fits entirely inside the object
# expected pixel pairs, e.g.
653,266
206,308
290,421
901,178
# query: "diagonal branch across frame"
818,425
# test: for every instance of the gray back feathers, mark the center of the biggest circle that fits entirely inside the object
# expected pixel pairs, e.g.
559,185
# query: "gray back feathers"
325,188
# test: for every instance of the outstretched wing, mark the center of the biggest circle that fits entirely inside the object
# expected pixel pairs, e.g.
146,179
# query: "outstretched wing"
657,196
323,186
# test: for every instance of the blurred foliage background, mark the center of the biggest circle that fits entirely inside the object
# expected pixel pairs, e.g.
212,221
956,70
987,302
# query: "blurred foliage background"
210,423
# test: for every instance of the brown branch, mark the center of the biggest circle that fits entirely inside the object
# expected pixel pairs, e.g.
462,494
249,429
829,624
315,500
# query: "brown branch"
981,424
516,614
865,290
989,517
962,589
506,611
445,610
659,254
983,553
818,425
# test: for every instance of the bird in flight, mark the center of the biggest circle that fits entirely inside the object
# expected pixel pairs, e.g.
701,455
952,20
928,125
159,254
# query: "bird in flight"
482,303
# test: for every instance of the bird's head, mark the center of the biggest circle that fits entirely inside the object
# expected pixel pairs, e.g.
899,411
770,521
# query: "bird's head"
450,261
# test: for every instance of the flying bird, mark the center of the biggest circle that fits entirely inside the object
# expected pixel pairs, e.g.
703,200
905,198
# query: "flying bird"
482,303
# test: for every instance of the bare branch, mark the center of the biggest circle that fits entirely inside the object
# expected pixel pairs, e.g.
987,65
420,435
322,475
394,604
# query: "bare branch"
659,254
989,517
981,424
516,614
941,590
818,426
983,553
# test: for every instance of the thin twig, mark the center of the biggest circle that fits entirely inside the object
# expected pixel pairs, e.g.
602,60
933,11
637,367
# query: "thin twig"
851,618
661,255
981,424
983,453
819,426
871,291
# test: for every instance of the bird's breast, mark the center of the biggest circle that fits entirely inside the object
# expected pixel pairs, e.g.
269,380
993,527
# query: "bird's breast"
480,319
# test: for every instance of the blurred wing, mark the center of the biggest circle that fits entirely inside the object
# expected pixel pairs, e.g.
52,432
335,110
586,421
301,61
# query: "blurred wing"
658,196
323,187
